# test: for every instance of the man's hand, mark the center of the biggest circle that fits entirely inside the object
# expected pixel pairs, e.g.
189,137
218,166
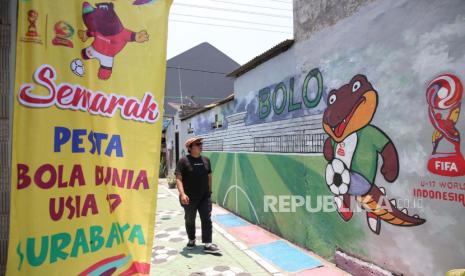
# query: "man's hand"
83,35
184,199
142,36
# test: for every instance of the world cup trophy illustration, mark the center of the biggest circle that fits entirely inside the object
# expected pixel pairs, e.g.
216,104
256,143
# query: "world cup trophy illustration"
32,35
444,97
32,16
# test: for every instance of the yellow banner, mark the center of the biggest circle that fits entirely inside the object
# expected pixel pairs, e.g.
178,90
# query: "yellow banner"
88,109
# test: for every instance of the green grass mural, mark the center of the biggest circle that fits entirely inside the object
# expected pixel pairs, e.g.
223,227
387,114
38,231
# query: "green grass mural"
257,175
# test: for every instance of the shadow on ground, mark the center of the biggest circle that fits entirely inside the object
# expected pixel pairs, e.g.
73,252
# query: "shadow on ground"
198,250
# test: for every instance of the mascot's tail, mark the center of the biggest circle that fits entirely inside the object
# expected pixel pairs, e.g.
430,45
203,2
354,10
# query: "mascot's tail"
379,208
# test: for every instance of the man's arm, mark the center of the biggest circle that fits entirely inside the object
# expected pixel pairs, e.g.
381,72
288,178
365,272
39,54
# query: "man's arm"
179,184
182,195
178,172
210,183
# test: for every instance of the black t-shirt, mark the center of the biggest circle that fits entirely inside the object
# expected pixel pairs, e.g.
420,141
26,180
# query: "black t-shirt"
194,172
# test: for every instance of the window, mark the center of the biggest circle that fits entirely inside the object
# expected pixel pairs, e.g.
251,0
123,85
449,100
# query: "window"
218,123
190,129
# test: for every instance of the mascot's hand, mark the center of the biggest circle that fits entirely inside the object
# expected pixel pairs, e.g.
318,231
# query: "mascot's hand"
390,168
328,151
83,35
142,36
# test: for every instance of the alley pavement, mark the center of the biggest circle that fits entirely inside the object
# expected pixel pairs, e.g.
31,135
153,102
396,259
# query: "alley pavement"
246,249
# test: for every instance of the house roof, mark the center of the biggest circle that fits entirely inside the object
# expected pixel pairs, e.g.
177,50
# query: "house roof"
208,107
271,53
198,76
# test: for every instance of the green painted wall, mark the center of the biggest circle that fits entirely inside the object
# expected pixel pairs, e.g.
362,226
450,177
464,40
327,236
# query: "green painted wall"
257,175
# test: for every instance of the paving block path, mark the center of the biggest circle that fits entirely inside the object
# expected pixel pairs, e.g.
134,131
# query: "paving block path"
246,248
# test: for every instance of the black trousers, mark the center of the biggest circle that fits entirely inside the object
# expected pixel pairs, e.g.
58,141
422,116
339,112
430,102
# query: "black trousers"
204,207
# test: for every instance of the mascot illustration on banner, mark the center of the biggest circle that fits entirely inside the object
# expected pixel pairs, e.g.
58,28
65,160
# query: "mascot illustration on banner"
352,150
109,34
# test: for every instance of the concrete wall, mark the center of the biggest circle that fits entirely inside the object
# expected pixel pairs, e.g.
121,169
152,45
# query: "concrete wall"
314,15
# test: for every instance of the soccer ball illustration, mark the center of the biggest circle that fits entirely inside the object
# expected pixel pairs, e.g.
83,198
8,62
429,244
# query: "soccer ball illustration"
77,67
337,177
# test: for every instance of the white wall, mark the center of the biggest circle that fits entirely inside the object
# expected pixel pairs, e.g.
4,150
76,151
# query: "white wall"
267,73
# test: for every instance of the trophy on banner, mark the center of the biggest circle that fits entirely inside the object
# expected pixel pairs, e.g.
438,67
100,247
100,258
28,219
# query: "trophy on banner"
32,35
32,16
444,95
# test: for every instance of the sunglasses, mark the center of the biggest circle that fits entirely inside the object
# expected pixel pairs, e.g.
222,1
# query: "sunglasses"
198,144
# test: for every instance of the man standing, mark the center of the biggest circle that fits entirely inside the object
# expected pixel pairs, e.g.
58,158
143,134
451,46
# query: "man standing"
194,182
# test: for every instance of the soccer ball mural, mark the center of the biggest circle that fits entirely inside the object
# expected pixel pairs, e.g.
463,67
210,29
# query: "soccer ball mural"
77,67
337,177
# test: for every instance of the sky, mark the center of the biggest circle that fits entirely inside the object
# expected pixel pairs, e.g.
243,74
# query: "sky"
240,44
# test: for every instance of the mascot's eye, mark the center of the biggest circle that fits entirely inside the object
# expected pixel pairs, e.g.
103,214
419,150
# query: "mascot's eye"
356,86
332,99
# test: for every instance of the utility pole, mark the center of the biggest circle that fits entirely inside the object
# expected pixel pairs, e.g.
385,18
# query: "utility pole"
180,85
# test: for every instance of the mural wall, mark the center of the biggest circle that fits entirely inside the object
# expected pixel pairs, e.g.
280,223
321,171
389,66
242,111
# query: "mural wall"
412,54
282,117
292,97
251,177
392,162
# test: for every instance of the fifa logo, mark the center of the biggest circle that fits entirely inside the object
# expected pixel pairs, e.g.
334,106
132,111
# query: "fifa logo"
444,97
